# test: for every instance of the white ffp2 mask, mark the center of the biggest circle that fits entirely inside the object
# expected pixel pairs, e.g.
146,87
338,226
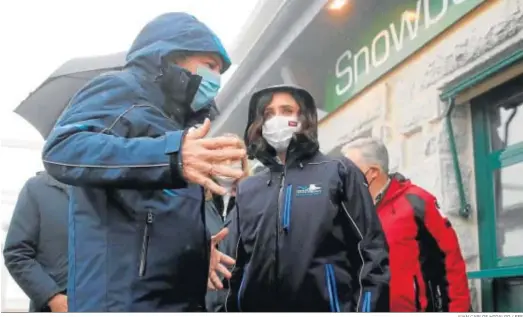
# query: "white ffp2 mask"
278,131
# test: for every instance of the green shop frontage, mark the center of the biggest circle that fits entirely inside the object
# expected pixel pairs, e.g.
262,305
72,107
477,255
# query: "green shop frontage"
441,83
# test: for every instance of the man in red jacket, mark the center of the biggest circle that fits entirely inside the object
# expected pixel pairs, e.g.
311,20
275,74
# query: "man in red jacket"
427,268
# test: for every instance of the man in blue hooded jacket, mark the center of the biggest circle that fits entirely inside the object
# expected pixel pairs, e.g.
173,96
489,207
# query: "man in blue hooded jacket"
137,237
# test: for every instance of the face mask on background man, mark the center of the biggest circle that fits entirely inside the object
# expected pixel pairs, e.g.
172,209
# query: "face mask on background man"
227,183
207,90
278,131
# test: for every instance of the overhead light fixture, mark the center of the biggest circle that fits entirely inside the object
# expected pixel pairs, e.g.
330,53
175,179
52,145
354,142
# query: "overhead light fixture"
335,5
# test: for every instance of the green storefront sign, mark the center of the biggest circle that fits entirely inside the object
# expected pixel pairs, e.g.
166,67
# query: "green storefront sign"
390,36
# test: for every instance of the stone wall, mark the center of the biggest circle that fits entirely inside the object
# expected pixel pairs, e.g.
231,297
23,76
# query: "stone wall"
404,110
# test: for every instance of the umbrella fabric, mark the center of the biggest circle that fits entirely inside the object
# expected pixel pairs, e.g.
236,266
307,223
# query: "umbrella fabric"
45,105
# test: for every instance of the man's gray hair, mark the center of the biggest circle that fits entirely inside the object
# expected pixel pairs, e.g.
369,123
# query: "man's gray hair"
372,151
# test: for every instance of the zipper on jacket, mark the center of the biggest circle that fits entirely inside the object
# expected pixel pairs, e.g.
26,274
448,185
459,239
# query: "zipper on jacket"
432,296
330,281
280,194
439,299
149,218
278,230
287,203
416,294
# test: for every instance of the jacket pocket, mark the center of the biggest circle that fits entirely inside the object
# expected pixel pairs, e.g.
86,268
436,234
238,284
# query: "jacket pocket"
330,281
149,218
287,206
416,293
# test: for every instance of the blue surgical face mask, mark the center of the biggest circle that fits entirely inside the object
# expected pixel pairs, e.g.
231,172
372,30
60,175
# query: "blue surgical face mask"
207,90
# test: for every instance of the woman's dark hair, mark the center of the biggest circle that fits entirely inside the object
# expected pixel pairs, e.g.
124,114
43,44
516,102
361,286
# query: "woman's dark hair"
308,119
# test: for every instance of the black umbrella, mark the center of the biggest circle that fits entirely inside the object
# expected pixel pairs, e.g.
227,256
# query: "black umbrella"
45,105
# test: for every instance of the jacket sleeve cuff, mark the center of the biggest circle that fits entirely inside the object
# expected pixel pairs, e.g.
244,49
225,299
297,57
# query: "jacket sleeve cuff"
173,148
43,300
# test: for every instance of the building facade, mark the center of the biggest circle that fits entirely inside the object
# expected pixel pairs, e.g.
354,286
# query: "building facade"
441,83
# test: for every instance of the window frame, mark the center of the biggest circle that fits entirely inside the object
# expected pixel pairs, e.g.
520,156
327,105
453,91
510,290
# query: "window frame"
492,266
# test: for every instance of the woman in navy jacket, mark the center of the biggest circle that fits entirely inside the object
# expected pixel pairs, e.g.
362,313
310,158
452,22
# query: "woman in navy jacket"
309,237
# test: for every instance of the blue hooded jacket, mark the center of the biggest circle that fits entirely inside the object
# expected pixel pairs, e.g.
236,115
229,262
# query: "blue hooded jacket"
137,237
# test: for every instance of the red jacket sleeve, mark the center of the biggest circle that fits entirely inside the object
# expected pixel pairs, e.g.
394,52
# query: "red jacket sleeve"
440,228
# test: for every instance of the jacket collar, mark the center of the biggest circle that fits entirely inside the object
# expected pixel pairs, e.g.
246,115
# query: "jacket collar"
51,181
398,185
383,191
218,204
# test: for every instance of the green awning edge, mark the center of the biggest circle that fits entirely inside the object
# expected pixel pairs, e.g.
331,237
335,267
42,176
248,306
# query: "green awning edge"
474,79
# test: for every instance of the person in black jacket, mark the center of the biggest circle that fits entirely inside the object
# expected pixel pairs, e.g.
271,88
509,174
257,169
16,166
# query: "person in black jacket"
309,236
215,299
35,250
220,213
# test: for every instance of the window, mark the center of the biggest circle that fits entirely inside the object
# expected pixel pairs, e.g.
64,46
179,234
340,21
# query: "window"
498,129
505,125
498,154
508,188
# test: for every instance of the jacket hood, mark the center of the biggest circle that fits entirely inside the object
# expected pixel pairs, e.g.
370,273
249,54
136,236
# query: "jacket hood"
309,107
310,104
169,33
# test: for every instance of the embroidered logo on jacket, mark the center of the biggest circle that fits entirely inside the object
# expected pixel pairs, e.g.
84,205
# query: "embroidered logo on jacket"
308,190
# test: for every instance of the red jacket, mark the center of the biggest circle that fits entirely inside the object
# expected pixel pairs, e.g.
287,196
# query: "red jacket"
427,268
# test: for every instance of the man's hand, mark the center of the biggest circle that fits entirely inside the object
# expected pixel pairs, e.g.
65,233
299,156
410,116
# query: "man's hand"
218,262
202,158
58,303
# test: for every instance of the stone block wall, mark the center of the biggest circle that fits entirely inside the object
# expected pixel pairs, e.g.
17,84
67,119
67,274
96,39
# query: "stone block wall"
404,109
